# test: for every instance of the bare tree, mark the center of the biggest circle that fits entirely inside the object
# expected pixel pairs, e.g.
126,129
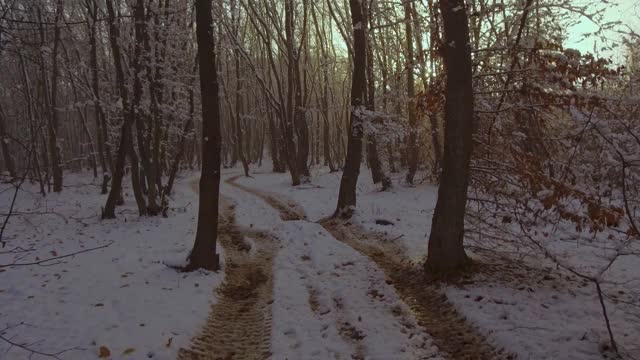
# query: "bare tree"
53,123
347,194
446,252
203,255
126,142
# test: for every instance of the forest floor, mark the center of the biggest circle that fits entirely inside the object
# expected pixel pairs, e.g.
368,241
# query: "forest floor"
294,284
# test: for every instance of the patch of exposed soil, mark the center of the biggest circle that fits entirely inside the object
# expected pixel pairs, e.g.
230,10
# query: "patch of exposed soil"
288,210
239,324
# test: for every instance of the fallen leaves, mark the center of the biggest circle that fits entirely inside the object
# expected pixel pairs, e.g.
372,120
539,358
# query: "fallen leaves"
104,352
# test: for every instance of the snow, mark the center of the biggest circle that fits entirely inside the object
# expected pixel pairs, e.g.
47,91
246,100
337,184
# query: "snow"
122,296
329,301
356,311
409,208
551,316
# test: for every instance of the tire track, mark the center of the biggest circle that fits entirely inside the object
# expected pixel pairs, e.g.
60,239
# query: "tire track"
238,326
448,328
289,211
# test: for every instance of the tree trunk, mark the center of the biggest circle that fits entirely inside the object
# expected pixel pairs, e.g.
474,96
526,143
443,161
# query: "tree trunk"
446,252
412,151
289,120
6,153
347,194
274,145
204,254
33,132
52,124
188,127
104,152
83,118
235,19
126,141
136,111
429,81
377,173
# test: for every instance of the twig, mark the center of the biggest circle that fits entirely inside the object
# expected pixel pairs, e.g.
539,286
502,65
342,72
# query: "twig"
27,347
41,262
606,318
15,196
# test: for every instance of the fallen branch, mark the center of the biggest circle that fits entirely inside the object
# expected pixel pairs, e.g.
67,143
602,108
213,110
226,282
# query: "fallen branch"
27,347
42,262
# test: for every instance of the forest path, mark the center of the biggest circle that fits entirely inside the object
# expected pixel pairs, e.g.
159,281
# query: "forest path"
239,323
449,330
330,302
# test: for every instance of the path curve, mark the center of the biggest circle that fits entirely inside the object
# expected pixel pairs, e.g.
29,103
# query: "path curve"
449,329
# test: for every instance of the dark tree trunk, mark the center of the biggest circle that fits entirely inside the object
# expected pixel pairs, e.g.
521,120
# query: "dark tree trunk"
289,120
6,153
412,151
126,142
33,132
135,111
428,80
274,145
392,162
235,19
104,151
52,124
446,252
326,130
347,194
302,127
93,161
188,126
377,172
204,254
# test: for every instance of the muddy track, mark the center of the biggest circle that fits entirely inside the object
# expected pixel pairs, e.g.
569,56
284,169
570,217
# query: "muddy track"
448,328
288,210
239,324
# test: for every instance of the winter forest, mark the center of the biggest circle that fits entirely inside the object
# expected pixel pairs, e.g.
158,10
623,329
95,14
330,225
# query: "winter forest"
319,179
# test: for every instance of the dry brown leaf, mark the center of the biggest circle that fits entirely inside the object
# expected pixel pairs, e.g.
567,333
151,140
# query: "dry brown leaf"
104,352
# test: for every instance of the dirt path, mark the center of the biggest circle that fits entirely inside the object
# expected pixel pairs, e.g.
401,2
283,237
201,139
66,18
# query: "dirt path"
239,324
288,210
448,328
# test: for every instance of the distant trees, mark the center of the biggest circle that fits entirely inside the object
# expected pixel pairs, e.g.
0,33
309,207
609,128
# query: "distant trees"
110,84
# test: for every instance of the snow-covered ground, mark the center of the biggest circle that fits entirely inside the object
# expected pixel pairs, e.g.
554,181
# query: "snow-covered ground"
330,302
549,314
122,297
408,208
